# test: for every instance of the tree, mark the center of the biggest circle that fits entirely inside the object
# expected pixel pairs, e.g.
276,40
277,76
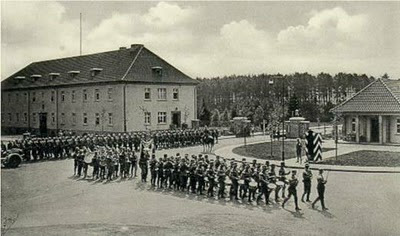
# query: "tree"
215,118
258,116
293,104
225,118
205,114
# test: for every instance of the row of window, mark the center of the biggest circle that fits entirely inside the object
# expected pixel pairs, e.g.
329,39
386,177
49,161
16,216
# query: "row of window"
161,95
85,120
161,118
354,125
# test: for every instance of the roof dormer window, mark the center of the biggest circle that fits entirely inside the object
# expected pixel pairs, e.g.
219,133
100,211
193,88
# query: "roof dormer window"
157,70
73,73
20,78
53,75
35,77
95,71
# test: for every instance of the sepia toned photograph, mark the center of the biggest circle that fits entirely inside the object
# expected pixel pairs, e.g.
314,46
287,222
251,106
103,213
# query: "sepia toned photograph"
192,118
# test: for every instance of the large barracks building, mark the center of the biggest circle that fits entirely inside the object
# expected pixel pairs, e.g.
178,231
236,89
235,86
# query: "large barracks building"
125,90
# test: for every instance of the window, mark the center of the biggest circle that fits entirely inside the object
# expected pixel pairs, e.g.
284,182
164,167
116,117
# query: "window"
110,93
26,97
162,117
34,117
17,97
85,119
97,119
52,96
53,118
110,119
73,95
85,97
97,94
147,118
17,117
9,117
353,125
62,96
162,94
73,115
33,96
175,94
25,117
42,93
147,94
398,125
63,118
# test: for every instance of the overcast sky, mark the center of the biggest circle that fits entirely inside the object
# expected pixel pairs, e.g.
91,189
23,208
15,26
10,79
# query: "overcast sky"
206,39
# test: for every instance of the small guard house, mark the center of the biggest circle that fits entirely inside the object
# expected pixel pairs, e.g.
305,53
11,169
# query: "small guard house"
373,114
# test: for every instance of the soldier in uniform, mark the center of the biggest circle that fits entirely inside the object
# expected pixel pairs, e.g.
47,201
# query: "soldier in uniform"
263,177
211,180
293,181
221,182
321,190
200,179
307,176
96,165
160,173
184,170
153,170
133,160
143,163
192,176
234,176
282,177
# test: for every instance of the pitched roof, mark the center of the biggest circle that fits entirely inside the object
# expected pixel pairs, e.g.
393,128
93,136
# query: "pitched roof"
134,64
379,96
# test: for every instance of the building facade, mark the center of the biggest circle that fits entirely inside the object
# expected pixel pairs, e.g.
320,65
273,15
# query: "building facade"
373,114
125,90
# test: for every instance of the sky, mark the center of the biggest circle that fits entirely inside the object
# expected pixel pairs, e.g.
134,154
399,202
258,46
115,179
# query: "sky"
208,39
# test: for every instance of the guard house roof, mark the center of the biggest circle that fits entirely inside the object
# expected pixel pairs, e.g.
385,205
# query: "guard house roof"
380,96
132,65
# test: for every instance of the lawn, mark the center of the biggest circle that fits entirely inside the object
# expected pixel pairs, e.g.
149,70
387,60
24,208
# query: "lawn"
263,150
366,158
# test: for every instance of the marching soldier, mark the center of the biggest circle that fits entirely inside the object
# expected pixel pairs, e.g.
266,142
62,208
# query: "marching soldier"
153,170
211,181
292,190
221,182
234,176
321,190
307,176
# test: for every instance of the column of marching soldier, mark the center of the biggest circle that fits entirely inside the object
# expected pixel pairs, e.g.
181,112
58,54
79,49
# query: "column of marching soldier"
201,175
60,147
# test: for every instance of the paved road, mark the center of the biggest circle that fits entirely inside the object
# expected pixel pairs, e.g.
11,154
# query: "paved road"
45,199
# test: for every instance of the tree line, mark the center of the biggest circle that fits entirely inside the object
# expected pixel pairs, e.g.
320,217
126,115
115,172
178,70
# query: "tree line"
268,97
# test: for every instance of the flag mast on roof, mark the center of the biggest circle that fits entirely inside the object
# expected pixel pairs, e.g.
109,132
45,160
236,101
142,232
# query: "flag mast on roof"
80,34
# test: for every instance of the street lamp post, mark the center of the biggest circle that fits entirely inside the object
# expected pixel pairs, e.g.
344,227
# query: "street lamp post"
283,120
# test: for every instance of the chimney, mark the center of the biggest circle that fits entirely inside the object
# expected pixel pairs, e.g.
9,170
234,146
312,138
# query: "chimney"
136,45
122,48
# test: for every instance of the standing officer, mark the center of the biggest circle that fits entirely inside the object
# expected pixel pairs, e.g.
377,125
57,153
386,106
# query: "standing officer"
292,190
307,176
321,190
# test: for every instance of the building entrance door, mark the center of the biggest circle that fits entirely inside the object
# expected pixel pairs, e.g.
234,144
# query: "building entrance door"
43,124
374,129
176,119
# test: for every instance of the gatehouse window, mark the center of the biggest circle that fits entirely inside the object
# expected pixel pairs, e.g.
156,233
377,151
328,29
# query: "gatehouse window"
162,117
110,93
85,97
52,96
25,117
398,125
53,118
62,96
73,95
353,125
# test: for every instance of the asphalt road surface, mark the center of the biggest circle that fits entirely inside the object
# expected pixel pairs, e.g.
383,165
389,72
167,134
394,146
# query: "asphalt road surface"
46,199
